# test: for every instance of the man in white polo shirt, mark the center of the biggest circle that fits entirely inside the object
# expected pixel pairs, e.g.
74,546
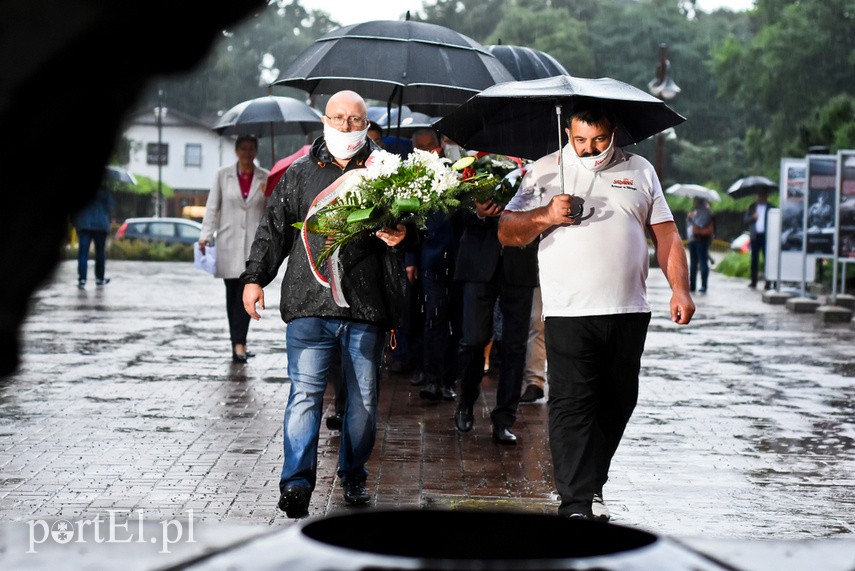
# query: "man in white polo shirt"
593,263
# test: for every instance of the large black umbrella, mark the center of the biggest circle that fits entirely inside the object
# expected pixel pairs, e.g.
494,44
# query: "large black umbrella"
516,118
270,116
749,185
425,66
527,63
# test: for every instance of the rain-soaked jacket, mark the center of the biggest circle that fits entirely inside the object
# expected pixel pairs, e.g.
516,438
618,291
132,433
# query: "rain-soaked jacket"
372,274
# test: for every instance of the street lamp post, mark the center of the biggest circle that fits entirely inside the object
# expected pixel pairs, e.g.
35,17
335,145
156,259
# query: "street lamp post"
663,87
159,112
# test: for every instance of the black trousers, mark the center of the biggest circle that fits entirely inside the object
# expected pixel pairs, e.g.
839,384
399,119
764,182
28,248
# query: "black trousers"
238,317
442,328
758,248
594,363
479,299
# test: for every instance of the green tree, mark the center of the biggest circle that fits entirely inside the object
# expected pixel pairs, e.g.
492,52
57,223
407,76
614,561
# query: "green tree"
550,30
800,58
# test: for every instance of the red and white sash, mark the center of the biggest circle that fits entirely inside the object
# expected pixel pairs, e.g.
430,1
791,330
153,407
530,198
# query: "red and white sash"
324,198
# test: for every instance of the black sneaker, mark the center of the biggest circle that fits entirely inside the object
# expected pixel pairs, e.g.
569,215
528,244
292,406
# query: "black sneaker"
102,281
599,510
81,284
355,494
294,501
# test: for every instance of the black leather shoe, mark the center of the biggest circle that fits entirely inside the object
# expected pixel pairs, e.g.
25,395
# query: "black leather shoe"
294,501
430,392
355,494
238,358
531,394
335,422
448,393
463,418
249,354
503,435
102,281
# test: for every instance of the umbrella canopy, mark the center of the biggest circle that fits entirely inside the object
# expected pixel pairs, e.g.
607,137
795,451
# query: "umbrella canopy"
422,65
694,191
516,118
270,116
118,174
751,185
281,166
527,63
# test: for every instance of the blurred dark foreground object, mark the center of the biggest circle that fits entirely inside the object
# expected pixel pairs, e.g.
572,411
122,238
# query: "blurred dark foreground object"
60,81
460,540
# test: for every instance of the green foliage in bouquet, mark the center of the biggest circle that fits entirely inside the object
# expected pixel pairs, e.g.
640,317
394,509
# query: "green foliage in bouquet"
391,191
506,170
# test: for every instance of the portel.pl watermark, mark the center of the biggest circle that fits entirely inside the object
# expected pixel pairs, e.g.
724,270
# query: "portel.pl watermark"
116,526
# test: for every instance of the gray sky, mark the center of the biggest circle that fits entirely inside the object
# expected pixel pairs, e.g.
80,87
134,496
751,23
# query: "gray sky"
353,11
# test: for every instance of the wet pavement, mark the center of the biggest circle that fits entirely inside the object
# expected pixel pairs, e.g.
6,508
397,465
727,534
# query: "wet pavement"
127,400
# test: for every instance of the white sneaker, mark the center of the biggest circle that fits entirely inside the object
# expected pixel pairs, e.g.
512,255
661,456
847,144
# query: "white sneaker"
599,508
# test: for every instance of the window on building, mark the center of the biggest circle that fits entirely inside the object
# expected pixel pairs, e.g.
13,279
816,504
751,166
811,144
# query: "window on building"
193,155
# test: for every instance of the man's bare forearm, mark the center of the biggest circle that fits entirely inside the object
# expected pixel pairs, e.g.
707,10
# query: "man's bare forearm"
521,228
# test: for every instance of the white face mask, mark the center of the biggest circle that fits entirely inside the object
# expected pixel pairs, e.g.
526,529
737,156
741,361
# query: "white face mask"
343,145
601,161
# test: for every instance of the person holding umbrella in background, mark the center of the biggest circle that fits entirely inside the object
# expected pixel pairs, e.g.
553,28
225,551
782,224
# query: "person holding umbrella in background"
700,227
92,224
756,217
234,207
593,264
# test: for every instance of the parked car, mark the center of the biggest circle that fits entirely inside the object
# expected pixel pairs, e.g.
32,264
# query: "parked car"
168,230
742,243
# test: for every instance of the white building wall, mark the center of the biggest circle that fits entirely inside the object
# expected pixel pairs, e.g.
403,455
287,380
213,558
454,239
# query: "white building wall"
216,152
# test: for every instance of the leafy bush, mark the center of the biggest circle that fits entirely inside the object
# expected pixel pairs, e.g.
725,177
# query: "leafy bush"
735,264
149,251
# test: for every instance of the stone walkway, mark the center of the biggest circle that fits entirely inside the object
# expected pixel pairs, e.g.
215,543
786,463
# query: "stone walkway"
127,400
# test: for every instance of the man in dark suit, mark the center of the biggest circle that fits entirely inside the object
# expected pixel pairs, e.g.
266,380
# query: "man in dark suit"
489,271
431,266
756,217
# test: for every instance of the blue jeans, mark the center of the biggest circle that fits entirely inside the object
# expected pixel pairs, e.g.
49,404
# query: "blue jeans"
311,343
85,238
699,254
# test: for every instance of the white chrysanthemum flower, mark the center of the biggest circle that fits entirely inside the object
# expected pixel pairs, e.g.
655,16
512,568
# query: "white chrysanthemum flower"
382,164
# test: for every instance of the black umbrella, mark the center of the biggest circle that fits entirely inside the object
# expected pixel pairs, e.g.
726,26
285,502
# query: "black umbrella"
527,63
425,66
119,175
407,122
270,116
751,185
516,118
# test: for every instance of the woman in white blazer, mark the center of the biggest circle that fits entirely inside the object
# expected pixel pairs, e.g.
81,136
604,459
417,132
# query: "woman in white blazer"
234,208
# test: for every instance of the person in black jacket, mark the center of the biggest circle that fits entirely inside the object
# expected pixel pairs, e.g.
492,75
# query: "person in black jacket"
490,271
318,324
756,218
92,224
433,264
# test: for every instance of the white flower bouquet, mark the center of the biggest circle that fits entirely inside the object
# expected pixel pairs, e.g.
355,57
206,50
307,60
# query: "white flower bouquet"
391,191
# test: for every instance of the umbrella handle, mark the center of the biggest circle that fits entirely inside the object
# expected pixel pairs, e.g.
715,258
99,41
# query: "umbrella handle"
560,151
